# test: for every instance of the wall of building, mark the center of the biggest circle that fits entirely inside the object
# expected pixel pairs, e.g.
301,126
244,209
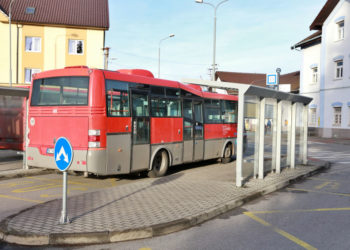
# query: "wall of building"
95,38
336,90
54,49
4,55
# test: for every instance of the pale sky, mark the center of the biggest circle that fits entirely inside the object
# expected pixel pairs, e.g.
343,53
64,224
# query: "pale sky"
252,36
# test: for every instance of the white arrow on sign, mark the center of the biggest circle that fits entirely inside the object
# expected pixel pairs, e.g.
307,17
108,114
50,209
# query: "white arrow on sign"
62,152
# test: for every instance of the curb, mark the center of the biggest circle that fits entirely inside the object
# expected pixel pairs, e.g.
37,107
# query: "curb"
146,232
19,173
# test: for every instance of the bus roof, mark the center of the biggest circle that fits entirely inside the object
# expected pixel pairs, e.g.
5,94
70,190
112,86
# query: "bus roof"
128,76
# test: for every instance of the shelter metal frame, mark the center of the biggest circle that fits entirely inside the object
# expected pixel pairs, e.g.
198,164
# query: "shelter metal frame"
264,94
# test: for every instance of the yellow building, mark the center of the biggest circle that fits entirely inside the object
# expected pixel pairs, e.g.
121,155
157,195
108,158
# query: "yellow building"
51,34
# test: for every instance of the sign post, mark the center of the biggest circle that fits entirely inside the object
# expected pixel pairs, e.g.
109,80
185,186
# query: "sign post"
63,159
271,81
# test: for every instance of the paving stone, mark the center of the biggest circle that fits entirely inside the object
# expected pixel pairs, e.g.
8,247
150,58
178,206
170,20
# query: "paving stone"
145,203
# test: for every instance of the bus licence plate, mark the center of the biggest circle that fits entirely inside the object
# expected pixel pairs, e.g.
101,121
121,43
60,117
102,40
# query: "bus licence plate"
50,151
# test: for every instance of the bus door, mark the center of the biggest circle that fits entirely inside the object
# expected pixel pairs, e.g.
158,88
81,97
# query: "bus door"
140,131
198,131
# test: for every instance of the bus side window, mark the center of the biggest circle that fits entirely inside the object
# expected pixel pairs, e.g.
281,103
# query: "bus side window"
117,98
165,108
229,111
212,111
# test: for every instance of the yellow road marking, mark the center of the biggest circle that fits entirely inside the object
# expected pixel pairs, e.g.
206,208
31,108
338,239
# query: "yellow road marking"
95,183
18,198
335,186
323,179
50,195
35,188
322,185
320,192
281,232
303,210
145,248
14,184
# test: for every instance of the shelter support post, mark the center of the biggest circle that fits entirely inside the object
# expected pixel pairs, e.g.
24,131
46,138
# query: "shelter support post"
293,135
274,136
261,137
239,160
305,139
256,140
278,137
289,132
26,131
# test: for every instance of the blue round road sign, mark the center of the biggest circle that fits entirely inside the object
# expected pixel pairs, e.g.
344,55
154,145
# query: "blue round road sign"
63,154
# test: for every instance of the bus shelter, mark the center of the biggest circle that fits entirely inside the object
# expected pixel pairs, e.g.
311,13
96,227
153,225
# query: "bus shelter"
271,131
14,119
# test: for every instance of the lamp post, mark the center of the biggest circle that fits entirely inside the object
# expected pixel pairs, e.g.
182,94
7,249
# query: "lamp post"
170,36
10,42
214,37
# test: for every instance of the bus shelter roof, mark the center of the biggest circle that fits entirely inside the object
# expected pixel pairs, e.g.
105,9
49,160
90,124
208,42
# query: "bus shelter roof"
8,91
252,90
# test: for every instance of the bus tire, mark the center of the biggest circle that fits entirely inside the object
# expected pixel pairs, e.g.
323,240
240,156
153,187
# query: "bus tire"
159,165
227,154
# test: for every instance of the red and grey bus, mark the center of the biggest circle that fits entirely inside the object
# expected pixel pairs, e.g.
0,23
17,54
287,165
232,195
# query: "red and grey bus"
127,121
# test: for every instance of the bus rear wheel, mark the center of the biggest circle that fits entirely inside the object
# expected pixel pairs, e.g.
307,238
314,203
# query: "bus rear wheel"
159,165
227,154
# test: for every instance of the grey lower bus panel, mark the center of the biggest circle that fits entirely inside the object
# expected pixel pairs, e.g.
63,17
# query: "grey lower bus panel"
140,157
213,149
118,153
174,150
198,150
117,158
36,159
188,151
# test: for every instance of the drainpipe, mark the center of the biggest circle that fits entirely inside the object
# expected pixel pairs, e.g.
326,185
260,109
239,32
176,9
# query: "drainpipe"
17,49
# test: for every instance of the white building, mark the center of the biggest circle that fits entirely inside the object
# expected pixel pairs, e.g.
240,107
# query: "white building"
325,71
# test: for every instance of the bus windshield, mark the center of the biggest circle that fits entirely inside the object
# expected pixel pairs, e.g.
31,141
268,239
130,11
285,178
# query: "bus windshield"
60,91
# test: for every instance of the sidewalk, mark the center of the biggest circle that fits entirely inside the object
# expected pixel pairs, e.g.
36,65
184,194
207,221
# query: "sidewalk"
11,166
144,209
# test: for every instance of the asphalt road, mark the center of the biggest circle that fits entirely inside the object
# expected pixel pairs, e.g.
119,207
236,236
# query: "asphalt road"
313,214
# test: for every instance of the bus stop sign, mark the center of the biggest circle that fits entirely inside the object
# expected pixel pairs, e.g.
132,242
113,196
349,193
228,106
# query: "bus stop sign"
63,154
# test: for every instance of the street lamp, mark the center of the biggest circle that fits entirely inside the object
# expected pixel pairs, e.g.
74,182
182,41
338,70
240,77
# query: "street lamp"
10,42
170,36
214,39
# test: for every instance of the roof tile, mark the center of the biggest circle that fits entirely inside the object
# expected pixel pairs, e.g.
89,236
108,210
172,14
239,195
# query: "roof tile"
86,13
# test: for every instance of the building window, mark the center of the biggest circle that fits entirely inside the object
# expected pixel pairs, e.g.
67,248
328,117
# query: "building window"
29,73
33,44
76,47
314,75
340,33
337,116
312,121
339,69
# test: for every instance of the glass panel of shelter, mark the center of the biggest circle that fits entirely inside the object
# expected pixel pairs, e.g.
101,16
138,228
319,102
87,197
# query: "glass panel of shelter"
286,133
299,133
251,129
270,134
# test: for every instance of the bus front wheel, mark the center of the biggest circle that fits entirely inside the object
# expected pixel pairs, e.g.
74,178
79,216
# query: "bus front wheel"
159,165
227,154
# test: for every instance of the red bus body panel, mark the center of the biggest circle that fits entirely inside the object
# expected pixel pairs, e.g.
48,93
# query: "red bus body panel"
119,125
217,131
166,130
